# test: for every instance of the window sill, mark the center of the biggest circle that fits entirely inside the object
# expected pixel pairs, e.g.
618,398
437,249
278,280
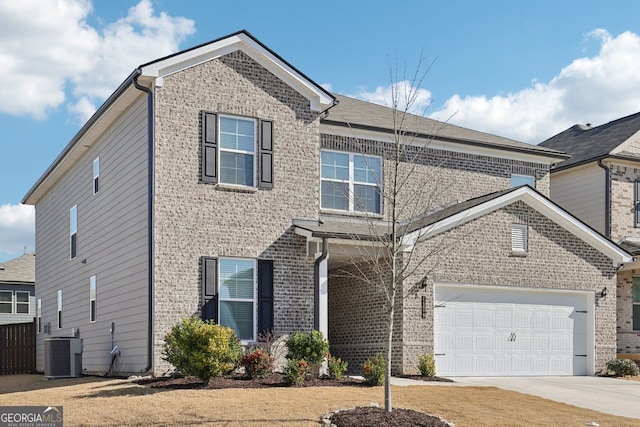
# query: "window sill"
519,254
236,188
336,212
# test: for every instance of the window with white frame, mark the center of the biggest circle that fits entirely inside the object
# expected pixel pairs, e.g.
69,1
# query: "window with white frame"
518,180
237,295
6,302
73,232
60,309
92,299
39,315
636,303
350,182
519,238
96,175
237,150
22,302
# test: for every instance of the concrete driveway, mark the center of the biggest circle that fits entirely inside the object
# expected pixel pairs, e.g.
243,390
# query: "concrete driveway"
608,395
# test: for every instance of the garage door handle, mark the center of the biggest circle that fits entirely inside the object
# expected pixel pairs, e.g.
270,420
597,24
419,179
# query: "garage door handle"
440,354
579,355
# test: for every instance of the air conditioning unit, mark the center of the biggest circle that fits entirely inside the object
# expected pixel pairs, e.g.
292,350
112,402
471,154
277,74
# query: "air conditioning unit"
62,357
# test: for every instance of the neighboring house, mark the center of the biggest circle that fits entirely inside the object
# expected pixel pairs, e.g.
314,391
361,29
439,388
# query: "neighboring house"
17,282
208,184
600,184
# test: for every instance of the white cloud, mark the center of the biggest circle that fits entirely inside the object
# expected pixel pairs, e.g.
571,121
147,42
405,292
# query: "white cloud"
49,50
589,90
401,94
17,230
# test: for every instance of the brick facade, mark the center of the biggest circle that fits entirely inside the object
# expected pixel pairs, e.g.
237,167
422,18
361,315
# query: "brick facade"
194,219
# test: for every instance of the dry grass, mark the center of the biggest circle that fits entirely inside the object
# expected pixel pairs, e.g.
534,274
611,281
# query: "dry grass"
95,401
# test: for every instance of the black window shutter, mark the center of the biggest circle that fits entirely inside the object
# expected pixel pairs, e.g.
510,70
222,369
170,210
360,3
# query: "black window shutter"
210,289
265,296
209,148
637,202
265,164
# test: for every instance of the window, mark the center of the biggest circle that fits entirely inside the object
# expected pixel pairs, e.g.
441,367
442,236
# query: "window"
6,302
518,180
22,302
60,309
519,238
92,299
96,175
350,182
232,149
39,315
237,296
73,232
636,303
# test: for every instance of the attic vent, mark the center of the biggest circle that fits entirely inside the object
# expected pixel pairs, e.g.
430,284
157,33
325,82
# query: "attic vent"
519,238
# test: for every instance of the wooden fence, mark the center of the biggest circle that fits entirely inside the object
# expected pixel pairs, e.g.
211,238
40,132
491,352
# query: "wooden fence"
18,348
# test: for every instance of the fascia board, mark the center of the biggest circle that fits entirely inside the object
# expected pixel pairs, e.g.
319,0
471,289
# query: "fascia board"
535,201
439,144
318,99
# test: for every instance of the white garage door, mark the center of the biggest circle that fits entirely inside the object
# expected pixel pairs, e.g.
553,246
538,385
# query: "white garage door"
482,331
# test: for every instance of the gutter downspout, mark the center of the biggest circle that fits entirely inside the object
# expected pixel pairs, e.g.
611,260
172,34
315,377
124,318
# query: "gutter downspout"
607,199
150,186
316,283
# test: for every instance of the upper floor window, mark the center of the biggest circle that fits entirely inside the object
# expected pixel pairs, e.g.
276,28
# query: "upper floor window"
518,180
636,303
636,203
22,302
92,299
350,182
73,232
6,302
237,150
96,175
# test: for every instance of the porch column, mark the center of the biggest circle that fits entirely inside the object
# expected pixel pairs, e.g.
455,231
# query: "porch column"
323,297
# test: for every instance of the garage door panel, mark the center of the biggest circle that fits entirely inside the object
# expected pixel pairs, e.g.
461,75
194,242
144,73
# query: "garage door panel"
510,336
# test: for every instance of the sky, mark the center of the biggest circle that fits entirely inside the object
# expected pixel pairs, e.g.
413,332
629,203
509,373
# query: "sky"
523,70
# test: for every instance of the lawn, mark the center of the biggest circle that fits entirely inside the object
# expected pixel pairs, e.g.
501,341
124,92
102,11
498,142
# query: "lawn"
98,401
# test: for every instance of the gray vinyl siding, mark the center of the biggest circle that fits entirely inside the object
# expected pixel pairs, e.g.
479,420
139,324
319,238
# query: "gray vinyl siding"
112,238
581,191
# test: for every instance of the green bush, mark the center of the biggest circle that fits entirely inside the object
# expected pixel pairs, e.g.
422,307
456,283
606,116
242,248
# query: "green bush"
374,370
202,349
295,372
427,365
337,367
623,367
257,363
308,346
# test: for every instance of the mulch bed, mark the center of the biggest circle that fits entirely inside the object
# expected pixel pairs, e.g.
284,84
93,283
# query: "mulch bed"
421,378
373,416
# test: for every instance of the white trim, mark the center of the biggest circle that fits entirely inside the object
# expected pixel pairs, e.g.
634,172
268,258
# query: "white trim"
318,99
536,201
500,152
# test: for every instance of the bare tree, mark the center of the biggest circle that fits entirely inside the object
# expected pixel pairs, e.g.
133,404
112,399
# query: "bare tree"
412,190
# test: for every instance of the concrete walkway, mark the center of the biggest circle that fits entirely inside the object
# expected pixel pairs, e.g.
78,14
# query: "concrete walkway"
609,395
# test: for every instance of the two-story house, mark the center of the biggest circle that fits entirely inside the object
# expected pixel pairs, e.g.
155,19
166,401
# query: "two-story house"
600,184
17,290
222,182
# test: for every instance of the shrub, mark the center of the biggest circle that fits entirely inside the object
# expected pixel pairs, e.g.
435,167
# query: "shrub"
427,365
374,370
623,367
337,367
295,372
308,346
257,363
201,348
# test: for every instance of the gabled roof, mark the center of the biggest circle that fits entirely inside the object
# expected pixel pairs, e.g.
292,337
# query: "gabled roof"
356,115
469,210
19,270
454,215
586,144
151,74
